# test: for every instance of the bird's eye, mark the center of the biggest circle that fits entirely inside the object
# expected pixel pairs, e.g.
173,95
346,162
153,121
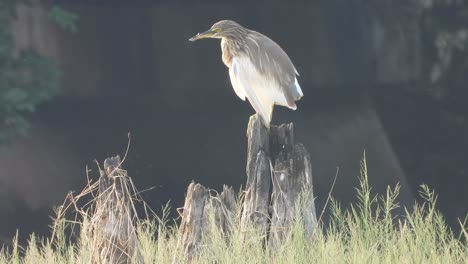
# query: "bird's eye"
216,30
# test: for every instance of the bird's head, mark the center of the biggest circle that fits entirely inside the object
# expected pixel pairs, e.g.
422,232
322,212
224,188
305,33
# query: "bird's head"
221,29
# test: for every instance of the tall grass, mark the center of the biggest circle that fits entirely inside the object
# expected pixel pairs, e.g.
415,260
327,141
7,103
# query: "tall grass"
367,232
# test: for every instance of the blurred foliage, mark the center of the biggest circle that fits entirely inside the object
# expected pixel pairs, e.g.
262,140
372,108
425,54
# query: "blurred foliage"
26,77
445,26
63,18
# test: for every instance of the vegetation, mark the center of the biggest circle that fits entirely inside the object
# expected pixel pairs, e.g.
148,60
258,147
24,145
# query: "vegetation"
26,78
366,233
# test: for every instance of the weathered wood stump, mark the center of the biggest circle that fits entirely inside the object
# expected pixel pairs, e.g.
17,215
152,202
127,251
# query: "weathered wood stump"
197,207
291,174
292,195
193,219
224,206
278,191
112,232
257,190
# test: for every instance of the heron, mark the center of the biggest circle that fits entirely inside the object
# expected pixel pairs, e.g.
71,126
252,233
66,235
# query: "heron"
259,69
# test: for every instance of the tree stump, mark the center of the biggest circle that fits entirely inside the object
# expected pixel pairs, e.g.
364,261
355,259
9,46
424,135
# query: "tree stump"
112,232
195,216
272,155
224,207
292,195
257,192
275,150
193,219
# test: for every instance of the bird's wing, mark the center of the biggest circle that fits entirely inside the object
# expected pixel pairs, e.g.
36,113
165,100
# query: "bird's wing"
238,88
262,92
271,60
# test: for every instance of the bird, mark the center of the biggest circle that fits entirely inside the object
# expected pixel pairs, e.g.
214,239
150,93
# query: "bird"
259,69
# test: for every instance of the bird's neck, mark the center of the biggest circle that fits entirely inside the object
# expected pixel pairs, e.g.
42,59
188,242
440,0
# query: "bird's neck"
230,48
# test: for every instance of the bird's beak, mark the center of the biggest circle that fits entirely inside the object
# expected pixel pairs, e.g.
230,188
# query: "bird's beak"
205,34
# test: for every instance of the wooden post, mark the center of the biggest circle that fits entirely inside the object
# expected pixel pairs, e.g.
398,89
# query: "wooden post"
257,189
112,232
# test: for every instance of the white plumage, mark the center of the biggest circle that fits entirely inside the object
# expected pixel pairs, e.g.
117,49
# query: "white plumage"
263,92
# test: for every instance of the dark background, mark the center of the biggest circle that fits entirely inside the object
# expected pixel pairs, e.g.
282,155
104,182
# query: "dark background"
366,70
